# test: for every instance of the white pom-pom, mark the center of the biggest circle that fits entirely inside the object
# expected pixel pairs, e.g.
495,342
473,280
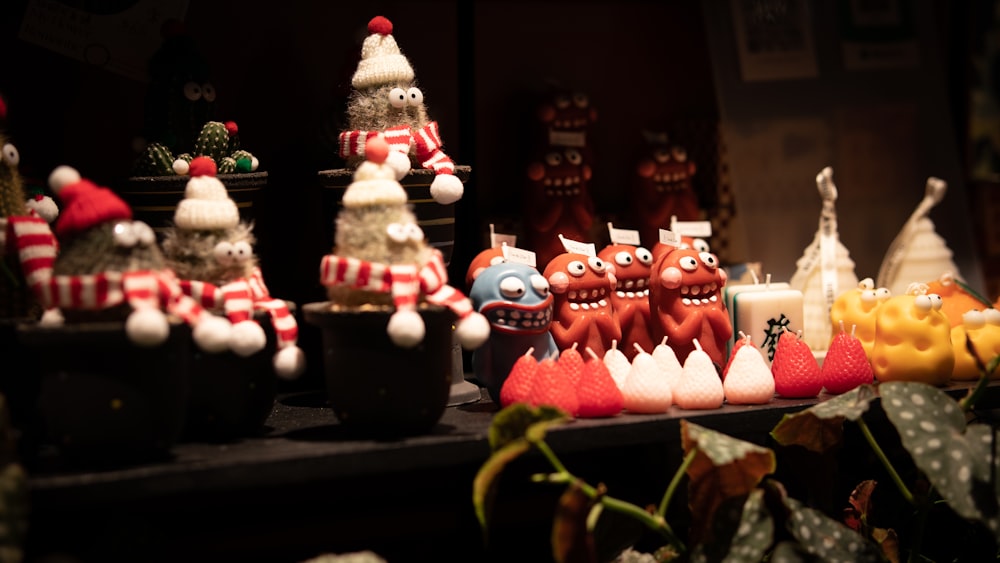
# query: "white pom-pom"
406,329
399,162
472,331
289,362
181,167
446,188
254,163
63,176
247,338
52,317
211,334
147,327
45,207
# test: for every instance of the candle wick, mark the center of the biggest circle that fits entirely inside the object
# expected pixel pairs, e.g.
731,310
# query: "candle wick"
767,281
697,344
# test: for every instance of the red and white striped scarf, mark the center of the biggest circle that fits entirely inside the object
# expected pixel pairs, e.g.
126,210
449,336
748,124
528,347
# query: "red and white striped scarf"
404,282
239,299
141,289
36,246
427,141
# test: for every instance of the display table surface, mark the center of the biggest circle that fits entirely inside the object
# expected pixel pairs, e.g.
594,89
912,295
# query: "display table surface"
305,457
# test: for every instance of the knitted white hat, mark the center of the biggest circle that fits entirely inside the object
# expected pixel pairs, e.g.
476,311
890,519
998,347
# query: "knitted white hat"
374,180
381,61
206,203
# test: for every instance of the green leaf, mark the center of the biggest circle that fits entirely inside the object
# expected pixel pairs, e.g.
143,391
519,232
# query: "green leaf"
484,484
513,423
571,542
826,538
821,426
982,440
751,533
723,467
933,430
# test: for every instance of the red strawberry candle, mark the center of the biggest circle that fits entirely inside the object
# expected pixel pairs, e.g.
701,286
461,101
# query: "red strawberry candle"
846,365
796,372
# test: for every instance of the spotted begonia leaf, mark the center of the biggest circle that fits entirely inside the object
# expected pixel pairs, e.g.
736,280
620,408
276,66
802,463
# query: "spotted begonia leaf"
752,535
954,458
826,538
512,423
723,467
821,426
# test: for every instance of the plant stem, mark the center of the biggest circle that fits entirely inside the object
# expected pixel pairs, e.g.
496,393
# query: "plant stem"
655,523
969,401
885,462
662,511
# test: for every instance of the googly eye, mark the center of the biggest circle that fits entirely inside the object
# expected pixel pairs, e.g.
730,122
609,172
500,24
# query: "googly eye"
414,97
923,303
868,296
992,316
974,319
397,98
679,154
709,259
689,263
539,284
883,293
644,256
396,232
700,244
497,260
562,102
866,283
661,155
192,91
581,100
223,252
596,264
208,92
11,156
576,268
936,301
573,157
512,287
413,232
623,258
143,233
242,251
553,159
124,235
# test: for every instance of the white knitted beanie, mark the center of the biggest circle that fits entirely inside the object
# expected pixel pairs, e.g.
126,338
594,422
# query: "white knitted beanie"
374,180
206,203
381,61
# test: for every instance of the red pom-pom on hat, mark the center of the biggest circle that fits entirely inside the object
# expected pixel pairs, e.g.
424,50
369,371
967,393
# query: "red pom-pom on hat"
380,25
3,109
202,166
376,150
85,204
231,128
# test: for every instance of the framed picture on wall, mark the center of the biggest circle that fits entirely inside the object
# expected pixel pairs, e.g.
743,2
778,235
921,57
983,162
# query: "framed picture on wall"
774,40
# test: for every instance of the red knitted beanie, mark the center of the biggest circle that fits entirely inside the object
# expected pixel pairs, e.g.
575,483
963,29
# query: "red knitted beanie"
86,205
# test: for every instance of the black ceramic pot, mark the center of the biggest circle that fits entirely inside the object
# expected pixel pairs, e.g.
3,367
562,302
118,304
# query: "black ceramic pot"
375,387
102,400
154,199
436,220
231,395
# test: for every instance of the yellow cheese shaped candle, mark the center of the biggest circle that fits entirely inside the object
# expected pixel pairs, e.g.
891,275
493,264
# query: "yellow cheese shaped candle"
857,307
913,339
983,329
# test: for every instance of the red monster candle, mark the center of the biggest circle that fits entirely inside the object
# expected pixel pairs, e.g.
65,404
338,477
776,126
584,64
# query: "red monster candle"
582,285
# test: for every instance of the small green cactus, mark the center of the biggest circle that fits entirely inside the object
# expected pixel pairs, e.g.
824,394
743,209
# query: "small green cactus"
213,141
227,165
155,160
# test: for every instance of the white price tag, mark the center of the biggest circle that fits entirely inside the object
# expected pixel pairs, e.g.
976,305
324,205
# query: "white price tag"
670,238
578,247
498,239
693,229
623,236
519,255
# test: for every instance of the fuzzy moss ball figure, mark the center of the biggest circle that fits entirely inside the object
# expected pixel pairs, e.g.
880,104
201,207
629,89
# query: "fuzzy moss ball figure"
382,260
115,270
386,102
211,251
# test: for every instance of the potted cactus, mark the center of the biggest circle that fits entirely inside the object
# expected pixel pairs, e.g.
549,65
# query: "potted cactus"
112,349
211,251
391,317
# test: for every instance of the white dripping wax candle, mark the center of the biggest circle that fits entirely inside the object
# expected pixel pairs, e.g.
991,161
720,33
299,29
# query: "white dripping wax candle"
763,310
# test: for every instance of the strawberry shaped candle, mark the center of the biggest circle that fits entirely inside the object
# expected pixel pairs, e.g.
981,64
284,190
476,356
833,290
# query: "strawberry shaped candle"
699,387
517,385
858,308
211,251
982,328
796,372
748,379
646,390
552,386
846,365
666,360
913,339
386,102
597,392
617,363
